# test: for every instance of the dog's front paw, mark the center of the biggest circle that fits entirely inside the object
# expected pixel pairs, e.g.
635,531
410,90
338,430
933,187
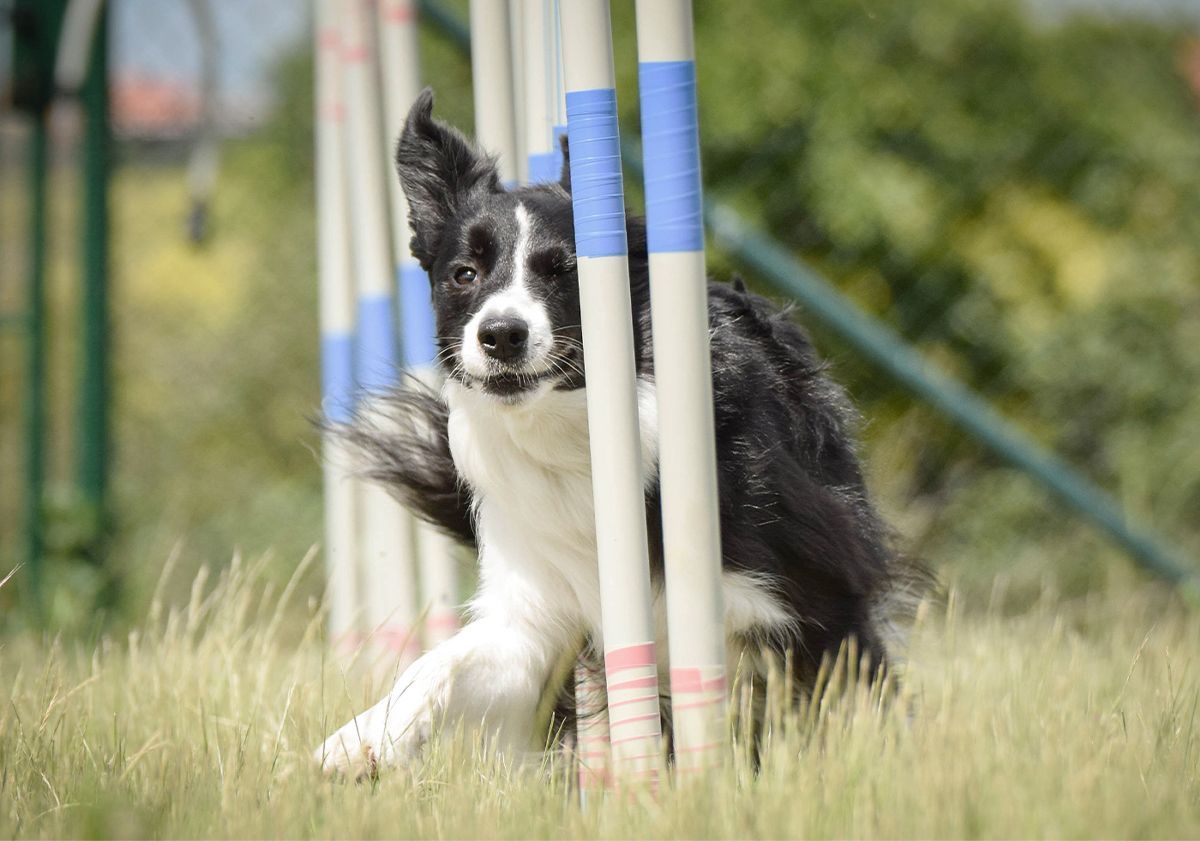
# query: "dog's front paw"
350,752
394,731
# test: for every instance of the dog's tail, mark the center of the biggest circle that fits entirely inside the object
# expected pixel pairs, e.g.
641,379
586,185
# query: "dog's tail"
402,443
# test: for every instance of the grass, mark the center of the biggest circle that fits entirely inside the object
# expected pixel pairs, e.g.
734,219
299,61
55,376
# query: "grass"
1059,720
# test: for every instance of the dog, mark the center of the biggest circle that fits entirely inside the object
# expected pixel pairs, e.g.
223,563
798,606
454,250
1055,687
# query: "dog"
500,460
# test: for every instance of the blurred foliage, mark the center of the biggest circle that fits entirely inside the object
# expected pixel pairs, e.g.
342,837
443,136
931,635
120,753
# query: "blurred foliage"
218,356
1020,198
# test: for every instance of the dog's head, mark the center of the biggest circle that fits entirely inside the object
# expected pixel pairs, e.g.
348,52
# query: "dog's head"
501,264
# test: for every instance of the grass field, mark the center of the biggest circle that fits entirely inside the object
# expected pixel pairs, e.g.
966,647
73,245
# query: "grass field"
1062,720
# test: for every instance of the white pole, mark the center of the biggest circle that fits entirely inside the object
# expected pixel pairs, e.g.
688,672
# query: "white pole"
617,479
593,753
401,81
399,54
518,10
387,533
542,91
559,111
545,123
440,587
492,83
683,373
337,330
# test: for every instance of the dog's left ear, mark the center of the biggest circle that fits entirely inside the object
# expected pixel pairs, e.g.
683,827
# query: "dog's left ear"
565,177
439,170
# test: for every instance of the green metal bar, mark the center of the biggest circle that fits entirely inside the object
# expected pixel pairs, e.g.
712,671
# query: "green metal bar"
892,355
93,443
35,383
450,24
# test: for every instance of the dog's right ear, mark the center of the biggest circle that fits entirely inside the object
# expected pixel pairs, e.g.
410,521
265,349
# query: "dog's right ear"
439,169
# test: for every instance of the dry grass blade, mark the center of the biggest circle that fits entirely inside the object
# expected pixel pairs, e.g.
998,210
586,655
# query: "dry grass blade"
210,732
8,577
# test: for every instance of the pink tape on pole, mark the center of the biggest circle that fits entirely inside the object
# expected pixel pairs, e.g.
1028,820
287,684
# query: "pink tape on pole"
348,643
634,719
592,753
398,638
711,746
636,683
678,706
442,621
354,53
630,657
401,12
698,703
693,680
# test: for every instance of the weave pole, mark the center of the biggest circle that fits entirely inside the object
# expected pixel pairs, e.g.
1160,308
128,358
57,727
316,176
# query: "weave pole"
401,80
627,618
531,91
683,373
559,112
541,111
517,12
492,85
387,538
336,301
542,99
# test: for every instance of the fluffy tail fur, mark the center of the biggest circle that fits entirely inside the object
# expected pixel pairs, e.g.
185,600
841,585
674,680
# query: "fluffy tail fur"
404,445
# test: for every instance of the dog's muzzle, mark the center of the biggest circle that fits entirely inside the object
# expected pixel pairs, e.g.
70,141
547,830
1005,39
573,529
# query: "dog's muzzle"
504,339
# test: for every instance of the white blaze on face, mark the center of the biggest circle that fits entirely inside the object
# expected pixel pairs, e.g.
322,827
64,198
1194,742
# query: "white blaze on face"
512,300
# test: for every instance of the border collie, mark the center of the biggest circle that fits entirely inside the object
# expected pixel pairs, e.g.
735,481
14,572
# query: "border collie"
499,459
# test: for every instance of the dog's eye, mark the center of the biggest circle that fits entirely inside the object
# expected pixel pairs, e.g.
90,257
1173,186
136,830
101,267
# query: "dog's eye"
465,276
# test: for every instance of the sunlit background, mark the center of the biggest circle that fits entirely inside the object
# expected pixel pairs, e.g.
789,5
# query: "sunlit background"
1013,188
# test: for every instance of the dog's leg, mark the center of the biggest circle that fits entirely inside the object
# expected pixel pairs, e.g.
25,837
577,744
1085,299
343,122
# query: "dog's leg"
489,677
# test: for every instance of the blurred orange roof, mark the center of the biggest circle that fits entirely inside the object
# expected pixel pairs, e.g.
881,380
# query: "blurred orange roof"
158,108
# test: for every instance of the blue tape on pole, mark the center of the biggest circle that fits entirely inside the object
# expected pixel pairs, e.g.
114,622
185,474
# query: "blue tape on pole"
376,362
596,188
337,376
544,166
671,142
418,333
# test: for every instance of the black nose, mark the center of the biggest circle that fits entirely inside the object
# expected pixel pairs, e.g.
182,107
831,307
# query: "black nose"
504,338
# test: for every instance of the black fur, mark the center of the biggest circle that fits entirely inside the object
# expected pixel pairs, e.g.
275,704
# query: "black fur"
793,503
410,455
436,193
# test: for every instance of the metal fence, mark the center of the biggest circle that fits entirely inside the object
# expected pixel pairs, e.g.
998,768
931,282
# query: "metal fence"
1014,190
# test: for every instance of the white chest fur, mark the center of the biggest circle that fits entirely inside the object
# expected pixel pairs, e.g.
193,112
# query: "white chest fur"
529,468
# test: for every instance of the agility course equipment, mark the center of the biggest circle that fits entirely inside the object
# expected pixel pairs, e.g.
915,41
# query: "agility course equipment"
337,329
369,537
630,659
543,103
542,107
683,373
783,273
387,538
401,82
876,342
492,84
